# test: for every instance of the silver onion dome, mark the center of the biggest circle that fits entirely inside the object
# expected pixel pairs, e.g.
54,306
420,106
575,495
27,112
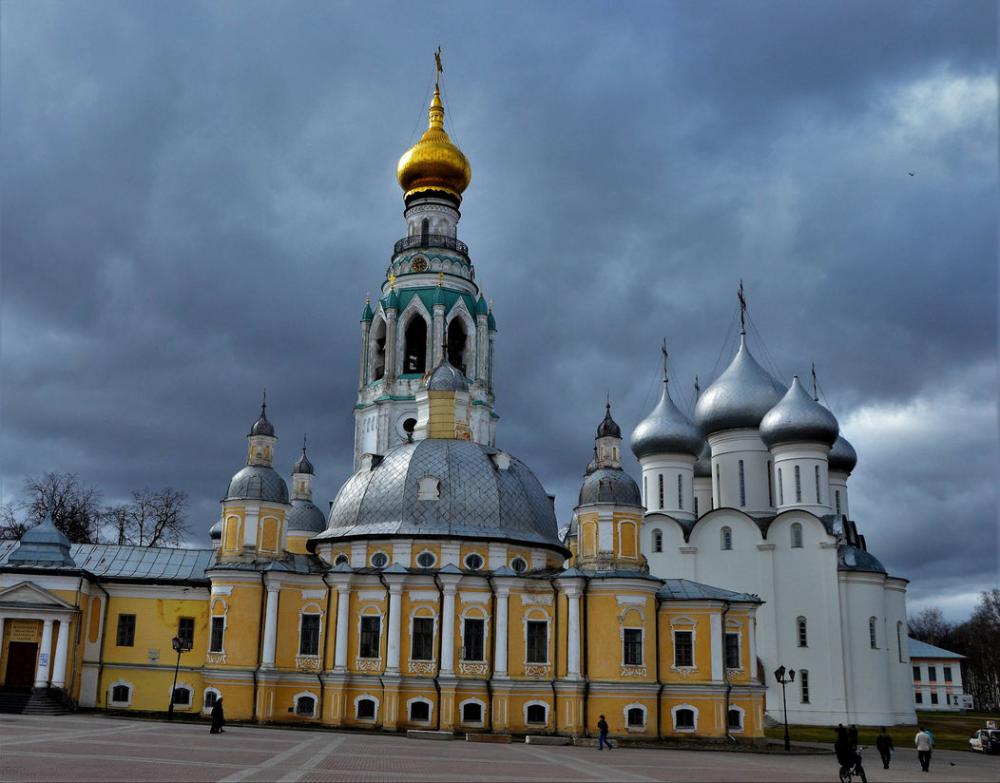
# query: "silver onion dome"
258,482
798,418
447,377
443,487
305,516
842,455
703,465
303,465
215,531
608,428
610,485
666,430
739,398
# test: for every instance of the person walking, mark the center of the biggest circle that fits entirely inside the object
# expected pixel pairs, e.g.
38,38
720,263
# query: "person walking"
602,736
885,747
218,717
844,752
925,745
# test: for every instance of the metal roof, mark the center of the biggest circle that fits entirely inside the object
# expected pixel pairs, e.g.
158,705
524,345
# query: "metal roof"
686,590
919,649
111,561
666,430
798,418
610,485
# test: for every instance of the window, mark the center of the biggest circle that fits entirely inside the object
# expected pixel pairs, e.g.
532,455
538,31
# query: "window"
185,631
899,640
366,709
538,642
126,630
342,559
121,693
819,499
798,484
872,633
661,491
473,562
735,720
519,565
680,492
718,485
636,717
770,486
420,711
370,628
309,635
727,538
781,487
210,698
947,674
305,705
696,506
733,651
645,491
426,560
796,535
379,560
472,639
800,624
535,713
932,673
684,719
657,540
804,686
456,344
683,648
918,697
743,485
934,697
916,674
218,634
633,647
836,496
415,346
472,712
422,642
182,696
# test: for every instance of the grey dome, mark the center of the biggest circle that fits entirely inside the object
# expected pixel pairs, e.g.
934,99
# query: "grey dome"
215,531
258,482
262,426
305,516
303,465
608,428
798,418
610,485
666,430
43,544
851,558
739,398
447,377
842,456
703,466
477,496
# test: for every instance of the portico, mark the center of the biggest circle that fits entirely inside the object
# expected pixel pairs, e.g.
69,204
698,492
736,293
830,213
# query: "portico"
35,629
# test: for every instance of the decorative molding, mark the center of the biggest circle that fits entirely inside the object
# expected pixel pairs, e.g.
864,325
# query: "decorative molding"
473,669
536,599
309,663
371,595
474,598
541,671
423,595
215,658
632,600
369,665
633,671
422,667
222,590
307,594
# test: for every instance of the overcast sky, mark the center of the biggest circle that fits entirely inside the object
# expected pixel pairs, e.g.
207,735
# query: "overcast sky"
196,198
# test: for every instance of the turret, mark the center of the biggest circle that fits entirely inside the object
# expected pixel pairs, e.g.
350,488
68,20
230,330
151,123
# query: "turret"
842,461
443,405
305,519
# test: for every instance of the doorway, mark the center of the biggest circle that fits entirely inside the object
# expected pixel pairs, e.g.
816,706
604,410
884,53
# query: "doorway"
21,660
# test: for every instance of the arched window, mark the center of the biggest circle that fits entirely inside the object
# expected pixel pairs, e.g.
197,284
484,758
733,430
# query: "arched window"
743,485
680,492
770,485
182,696
837,497
457,339
661,491
735,721
420,711
781,487
377,340
211,696
535,713
472,712
727,538
657,540
342,559
872,632
819,498
365,709
425,231
415,346
798,484
635,717
803,634
305,706
684,719
121,694
796,535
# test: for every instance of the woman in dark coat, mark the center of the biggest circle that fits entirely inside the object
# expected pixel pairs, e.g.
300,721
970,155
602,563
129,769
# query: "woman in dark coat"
218,718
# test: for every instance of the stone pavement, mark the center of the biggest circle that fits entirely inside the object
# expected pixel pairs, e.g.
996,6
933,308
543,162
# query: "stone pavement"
96,748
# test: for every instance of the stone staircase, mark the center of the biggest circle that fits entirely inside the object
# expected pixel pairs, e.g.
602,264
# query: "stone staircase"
33,702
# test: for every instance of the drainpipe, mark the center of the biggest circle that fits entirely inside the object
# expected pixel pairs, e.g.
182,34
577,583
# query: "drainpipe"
493,653
326,639
388,621
76,646
555,655
260,644
586,660
659,693
440,643
725,671
100,651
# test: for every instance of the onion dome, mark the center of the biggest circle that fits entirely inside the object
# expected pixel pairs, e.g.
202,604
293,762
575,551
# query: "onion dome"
305,517
739,398
215,531
608,428
434,163
798,418
302,464
852,558
842,455
666,430
610,485
703,465
258,482
262,426
447,377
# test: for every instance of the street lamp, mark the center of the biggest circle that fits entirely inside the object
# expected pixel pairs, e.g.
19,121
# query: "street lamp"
180,646
779,675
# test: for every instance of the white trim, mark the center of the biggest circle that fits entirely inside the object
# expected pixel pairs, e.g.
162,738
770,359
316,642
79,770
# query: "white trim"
461,712
421,700
434,633
537,616
743,718
645,716
673,716
314,610
537,703
190,689
474,613
111,691
358,699
225,624
295,704
372,611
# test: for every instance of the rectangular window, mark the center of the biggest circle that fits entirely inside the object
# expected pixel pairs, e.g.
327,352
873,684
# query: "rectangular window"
798,484
680,492
919,697
696,506
837,496
732,651
934,697
126,630
947,674
472,640
683,648
804,685
770,486
819,499
781,487
309,635
538,642
916,674
422,647
217,635
661,490
185,631
717,499
633,647
645,491
932,673
743,486
370,630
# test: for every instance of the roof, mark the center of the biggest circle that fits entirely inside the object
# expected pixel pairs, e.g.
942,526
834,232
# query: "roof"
666,430
609,485
43,545
686,590
798,418
258,482
919,649
112,561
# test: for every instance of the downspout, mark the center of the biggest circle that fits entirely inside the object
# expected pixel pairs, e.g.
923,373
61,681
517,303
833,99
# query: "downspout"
388,622
725,671
76,643
440,645
555,655
260,644
104,635
586,660
493,651
326,640
659,693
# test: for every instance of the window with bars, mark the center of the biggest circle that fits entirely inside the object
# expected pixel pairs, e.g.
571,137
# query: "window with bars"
126,630
185,631
798,484
538,642
796,535
309,634
217,636
683,648
632,640
804,686
473,637
732,650
680,492
819,498
657,540
803,632
743,485
422,641
660,477
369,642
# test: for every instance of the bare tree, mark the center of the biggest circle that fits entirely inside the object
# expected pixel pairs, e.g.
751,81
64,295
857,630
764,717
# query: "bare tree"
930,626
10,526
74,507
151,519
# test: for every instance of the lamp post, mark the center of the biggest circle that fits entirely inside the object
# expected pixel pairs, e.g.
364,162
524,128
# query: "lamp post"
779,675
180,646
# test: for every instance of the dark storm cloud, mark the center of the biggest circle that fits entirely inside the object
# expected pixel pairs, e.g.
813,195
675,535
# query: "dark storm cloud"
196,198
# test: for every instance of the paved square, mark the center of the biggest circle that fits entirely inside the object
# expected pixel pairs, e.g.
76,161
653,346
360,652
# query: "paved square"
95,748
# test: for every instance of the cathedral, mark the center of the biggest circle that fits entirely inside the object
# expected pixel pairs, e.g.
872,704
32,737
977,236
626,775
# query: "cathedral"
438,592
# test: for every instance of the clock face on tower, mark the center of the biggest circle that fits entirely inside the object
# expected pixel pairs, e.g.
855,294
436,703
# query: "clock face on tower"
420,265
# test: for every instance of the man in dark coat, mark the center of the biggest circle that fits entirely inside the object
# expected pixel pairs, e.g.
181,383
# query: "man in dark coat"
602,737
885,747
218,718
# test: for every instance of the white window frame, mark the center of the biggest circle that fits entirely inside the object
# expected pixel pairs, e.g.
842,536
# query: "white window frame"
514,569
465,561
726,538
461,712
313,609
743,719
111,691
360,698
218,695
535,615
190,689
645,716
372,611
657,540
805,687
673,717
737,631
295,704
429,614
225,625
475,613
537,703
801,631
420,700
691,629
797,536
642,641
371,559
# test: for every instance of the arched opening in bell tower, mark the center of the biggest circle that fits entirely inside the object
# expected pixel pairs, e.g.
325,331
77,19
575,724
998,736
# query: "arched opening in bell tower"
377,341
415,346
425,231
457,343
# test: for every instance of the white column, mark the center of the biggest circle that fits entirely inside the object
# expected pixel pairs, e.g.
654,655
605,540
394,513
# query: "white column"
715,626
42,671
343,606
270,627
448,630
392,648
500,666
573,652
62,648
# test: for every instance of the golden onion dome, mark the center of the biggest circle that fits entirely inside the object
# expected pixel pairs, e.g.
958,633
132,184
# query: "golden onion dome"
434,162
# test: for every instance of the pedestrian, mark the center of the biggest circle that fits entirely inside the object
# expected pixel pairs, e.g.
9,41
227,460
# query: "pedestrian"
218,717
844,752
885,747
852,736
925,745
602,737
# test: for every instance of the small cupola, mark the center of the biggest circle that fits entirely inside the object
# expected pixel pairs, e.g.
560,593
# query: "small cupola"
262,439
608,441
443,404
798,418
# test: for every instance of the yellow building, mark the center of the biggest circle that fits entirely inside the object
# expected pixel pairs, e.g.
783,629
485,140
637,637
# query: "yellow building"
437,593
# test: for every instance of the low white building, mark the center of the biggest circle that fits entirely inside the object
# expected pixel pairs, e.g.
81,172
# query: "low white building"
937,677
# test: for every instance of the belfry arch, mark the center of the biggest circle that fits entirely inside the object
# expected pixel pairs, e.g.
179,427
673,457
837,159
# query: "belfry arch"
415,345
